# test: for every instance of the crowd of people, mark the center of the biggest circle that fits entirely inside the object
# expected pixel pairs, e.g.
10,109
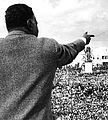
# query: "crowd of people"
80,97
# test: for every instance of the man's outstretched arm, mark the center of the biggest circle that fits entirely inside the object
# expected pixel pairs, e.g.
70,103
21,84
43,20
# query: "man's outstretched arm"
67,53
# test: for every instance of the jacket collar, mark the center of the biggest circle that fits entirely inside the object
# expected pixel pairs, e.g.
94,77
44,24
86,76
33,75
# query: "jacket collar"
16,32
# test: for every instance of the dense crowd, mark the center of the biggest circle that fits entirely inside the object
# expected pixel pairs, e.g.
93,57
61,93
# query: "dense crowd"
80,96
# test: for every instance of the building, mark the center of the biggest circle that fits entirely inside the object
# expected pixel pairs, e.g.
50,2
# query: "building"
100,56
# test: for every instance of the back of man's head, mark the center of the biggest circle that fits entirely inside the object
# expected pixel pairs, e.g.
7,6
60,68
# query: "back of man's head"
17,16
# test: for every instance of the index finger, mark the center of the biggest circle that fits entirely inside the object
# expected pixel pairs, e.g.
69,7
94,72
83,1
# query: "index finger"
92,35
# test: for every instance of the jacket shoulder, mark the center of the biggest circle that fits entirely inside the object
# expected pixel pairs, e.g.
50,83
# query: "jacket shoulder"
48,43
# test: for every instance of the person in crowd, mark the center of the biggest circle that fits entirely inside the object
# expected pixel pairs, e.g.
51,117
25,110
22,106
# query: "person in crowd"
28,65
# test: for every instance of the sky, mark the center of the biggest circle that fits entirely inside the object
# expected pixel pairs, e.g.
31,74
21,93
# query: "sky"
66,20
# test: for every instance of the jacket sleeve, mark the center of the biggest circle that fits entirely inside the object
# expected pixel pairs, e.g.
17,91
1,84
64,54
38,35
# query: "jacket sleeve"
65,54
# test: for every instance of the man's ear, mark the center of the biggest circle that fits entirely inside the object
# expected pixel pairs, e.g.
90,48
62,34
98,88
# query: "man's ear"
29,24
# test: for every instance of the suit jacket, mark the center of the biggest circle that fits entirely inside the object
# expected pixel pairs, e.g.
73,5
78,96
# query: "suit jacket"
27,70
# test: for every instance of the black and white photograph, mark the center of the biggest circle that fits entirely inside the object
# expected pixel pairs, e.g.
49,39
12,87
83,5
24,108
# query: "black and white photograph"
54,60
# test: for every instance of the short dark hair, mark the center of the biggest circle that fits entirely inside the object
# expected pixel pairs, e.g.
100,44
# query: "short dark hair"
17,16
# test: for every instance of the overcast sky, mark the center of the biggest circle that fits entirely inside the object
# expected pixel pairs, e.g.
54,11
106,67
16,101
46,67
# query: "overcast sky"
66,20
